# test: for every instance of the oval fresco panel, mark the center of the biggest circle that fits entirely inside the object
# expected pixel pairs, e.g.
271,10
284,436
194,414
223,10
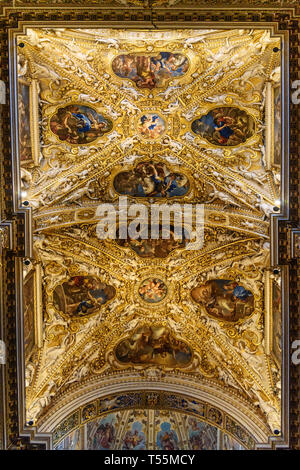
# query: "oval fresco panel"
226,126
82,295
224,299
153,345
150,71
150,179
147,247
79,124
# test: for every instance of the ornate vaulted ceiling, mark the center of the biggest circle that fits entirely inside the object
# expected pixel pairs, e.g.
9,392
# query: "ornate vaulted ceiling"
182,117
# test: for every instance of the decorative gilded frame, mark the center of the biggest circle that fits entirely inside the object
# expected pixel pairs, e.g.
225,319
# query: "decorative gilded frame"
35,272
274,89
74,318
229,323
270,124
209,108
34,122
87,105
282,18
149,54
111,354
151,111
130,167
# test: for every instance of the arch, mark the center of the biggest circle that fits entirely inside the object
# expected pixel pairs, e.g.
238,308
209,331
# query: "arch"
153,392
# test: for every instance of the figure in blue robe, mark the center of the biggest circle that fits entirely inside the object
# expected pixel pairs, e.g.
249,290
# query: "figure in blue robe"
99,295
84,121
83,307
207,125
241,293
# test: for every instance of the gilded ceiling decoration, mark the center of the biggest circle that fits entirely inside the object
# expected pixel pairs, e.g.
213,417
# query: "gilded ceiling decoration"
224,299
150,71
183,116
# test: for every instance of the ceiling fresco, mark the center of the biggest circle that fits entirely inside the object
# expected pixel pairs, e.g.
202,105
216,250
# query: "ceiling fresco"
185,116
147,429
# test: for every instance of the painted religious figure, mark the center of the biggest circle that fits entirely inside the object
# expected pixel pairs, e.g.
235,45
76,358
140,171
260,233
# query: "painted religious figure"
229,443
153,345
153,290
134,439
202,436
225,126
150,179
151,126
224,299
277,321
79,124
167,438
104,436
29,313
277,126
154,248
148,71
82,295
25,144
71,442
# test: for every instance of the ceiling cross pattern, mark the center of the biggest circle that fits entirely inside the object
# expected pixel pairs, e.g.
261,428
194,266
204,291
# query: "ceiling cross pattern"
162,117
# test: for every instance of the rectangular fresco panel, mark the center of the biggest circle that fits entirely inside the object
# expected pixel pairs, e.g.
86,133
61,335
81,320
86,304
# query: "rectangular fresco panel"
277,125
277,321
25,141
101,433
29,313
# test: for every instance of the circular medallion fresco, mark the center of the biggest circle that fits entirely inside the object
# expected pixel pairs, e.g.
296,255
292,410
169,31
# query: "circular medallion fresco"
151,126
79,124
153,290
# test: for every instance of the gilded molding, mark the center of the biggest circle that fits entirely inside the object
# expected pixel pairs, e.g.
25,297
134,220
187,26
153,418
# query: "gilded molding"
289,22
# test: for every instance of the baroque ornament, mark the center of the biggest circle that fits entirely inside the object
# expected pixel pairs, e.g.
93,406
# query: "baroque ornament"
159,115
